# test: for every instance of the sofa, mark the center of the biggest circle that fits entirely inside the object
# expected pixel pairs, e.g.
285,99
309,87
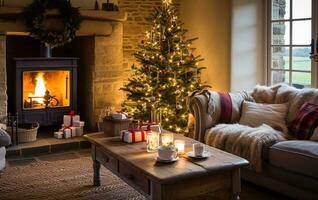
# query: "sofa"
5,140
288,165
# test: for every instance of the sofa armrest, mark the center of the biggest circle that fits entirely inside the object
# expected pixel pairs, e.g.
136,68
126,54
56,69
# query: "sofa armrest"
198,106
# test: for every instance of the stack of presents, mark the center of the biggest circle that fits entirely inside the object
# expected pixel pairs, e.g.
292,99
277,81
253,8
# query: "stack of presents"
71,127
137,132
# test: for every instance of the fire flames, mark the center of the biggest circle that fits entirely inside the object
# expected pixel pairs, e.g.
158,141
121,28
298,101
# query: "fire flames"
40,88
36,84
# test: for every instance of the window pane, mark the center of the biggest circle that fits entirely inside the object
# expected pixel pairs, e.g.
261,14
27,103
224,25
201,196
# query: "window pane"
301,9
280,77
301,78
302,32
300,59
280,9
280,33
280,57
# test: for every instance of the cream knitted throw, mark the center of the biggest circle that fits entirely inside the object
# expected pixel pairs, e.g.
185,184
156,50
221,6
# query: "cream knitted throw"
244,141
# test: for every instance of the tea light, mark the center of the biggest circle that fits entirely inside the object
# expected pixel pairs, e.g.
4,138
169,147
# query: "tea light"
166,139
179,144
152,141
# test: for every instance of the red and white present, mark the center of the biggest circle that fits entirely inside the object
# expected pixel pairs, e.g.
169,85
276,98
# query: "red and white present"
58,135
133,135
156,127
68,120
68,132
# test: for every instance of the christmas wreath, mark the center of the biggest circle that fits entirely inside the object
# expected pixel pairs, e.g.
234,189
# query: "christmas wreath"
35,15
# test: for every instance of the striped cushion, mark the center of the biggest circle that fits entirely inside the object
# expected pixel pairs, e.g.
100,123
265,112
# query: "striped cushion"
305,122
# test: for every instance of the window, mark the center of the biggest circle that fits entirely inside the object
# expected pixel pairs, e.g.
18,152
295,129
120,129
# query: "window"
291,32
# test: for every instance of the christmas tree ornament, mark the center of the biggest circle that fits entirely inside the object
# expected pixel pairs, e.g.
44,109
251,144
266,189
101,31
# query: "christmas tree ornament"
152,98
179,106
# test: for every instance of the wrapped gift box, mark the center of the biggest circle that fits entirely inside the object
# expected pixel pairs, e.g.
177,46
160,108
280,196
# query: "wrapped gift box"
79,130
153,127
78,123
69,132
132,136
68,120
58,135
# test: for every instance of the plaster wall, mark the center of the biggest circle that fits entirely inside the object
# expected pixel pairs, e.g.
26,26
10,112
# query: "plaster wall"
209,20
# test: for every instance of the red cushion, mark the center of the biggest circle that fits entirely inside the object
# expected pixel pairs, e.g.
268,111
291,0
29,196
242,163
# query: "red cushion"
226,107
305,122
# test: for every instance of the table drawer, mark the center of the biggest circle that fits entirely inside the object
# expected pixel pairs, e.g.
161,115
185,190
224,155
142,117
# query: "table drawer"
106,160
135,177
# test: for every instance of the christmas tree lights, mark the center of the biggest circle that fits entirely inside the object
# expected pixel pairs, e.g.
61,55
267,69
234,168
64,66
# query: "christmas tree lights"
169,72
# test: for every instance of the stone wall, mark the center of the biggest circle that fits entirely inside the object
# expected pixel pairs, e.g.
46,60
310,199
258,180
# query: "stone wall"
278,35
136,25
108,71
3,77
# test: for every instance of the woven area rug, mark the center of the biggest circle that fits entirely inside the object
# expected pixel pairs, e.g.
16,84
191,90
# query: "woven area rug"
63,179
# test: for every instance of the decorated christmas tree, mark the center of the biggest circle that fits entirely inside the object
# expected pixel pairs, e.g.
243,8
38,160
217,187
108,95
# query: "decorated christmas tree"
158,89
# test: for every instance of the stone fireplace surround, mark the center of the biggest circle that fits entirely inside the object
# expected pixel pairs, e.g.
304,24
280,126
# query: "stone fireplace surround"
99,46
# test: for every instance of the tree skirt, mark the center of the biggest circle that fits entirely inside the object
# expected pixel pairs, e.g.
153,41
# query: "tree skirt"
66,179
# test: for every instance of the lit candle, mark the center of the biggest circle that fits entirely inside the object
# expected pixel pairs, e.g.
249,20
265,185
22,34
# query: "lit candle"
166,139
179,144
152,141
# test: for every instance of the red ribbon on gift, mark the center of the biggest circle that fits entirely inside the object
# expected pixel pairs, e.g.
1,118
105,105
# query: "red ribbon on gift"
148,125
72,114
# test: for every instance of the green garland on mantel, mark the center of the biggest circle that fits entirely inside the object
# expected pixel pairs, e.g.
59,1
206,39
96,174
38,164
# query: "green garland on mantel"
35,14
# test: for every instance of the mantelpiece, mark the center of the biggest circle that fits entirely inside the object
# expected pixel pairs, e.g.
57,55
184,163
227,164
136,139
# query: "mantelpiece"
96,22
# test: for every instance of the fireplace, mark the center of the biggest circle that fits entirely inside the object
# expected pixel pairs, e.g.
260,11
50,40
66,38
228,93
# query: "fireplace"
46,89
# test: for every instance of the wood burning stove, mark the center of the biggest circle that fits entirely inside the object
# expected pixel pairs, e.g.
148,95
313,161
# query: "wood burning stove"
46,89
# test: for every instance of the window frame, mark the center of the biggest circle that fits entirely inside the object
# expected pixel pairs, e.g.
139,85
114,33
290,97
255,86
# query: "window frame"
269,46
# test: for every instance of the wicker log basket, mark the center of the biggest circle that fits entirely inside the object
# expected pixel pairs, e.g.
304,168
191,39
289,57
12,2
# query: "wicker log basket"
26,132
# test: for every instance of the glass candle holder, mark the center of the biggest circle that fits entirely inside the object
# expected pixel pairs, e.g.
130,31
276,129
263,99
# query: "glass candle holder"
179,144
166,139
152,141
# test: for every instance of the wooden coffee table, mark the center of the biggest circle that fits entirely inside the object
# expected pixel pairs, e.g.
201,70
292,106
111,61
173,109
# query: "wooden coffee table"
216,177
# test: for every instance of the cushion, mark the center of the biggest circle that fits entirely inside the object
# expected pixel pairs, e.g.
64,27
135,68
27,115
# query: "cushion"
295,156
264,94
296,98
305,122
214,105
256,114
